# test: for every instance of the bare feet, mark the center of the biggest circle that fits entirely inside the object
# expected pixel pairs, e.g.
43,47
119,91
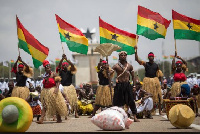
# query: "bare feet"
39,122
65,117
59,121
76,116
136,120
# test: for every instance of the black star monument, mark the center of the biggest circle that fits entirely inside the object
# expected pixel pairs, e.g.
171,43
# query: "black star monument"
88,34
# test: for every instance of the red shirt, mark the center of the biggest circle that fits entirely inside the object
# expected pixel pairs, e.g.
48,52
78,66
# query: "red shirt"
49,84
179,77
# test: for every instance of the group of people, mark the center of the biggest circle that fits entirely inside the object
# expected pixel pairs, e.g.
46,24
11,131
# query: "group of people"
56,95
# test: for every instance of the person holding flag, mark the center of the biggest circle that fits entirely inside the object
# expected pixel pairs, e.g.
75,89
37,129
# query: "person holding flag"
151,81
24,71
178,69
66,71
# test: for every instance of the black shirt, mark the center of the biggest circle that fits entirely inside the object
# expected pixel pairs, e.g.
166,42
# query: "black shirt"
102,79
151,69
66,77
21,79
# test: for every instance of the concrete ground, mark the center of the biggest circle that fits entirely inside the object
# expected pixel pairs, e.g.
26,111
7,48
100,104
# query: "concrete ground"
84,124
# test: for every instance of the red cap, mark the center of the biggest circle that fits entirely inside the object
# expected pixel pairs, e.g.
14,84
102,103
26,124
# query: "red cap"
64,63
149,55
20,65
179,62
45,62
104,61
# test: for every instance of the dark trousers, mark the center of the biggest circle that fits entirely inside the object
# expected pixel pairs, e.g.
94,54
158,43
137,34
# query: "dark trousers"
123,94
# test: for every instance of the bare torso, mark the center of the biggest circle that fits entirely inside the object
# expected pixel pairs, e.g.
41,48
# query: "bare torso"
125,77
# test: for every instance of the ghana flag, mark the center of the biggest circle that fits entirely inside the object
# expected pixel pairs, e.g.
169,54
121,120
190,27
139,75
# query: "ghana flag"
75,39
185,27
151,24
32,46
111,34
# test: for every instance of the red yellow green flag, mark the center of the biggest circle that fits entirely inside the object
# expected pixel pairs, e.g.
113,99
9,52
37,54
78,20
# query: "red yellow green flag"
165,57
111,34
114,58
171,56
75,39
12,61
32,46
185,27
151,24
57,60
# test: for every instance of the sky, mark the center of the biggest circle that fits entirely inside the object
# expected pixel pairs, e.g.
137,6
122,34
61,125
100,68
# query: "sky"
38,17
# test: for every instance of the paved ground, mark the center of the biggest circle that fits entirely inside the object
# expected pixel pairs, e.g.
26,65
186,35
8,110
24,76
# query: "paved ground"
83,124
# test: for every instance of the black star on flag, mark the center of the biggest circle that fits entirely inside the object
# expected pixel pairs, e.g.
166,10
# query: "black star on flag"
68,36
155,26
189,26
114,37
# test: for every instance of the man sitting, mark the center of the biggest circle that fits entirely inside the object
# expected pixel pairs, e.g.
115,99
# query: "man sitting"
143,100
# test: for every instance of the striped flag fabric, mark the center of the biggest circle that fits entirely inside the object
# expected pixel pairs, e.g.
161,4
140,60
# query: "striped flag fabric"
151,24
32,46
165,57
12,61
75,39
114,58
185,27
111,34
171,56
57,60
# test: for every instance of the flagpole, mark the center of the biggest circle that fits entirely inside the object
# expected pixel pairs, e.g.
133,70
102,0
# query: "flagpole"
62,48
17,34
175,45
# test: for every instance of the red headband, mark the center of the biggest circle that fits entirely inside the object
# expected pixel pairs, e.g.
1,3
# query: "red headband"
64,63
20,65
149,55
104,61
45,62
179,62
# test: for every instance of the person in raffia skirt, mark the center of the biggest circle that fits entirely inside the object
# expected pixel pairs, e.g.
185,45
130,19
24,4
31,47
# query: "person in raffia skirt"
151,81
24,71
53,102
66,71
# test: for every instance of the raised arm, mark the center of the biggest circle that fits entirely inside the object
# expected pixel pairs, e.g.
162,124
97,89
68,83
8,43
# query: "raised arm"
137,59
60,63
71,64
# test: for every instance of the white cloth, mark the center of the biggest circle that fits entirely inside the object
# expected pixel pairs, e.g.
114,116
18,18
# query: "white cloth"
61,88
147,105
198,81
191,82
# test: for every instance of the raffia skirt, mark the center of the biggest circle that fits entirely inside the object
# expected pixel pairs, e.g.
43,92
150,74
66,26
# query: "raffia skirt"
103,96
152,85
176,88
71,95
21,92
54,103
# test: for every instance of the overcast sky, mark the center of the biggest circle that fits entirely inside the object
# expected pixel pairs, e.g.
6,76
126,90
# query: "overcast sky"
38,17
